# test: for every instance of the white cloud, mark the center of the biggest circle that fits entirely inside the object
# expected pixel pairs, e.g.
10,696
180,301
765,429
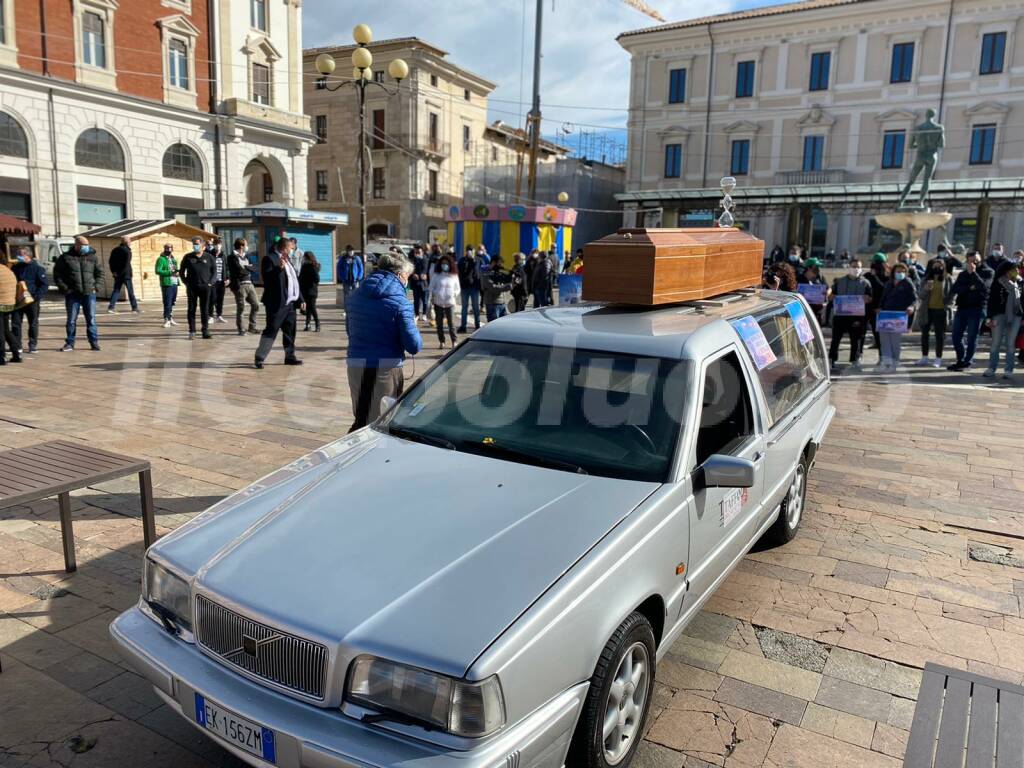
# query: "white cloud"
584,72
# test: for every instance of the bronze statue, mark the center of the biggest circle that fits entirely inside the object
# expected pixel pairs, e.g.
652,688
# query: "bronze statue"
927,138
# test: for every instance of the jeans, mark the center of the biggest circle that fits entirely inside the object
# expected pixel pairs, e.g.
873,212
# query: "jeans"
347,289
966,321
440,315
470,295
494,311
541,297
891,344
246,294
854,327
1004,338
31,312
198,297
367,385
169,294
420,306
934,320
126,282
73,302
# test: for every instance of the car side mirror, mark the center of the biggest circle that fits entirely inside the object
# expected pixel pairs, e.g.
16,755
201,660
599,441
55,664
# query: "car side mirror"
722,471
386,402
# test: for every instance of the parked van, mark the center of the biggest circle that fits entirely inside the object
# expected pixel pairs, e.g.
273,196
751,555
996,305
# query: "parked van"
488,575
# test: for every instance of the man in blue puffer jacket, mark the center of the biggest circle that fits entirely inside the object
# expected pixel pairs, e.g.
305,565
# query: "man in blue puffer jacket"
381,331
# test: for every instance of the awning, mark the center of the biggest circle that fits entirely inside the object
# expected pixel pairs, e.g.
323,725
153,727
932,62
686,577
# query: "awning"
274,211
12,225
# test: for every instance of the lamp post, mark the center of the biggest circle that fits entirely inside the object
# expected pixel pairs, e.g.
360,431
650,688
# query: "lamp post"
362,60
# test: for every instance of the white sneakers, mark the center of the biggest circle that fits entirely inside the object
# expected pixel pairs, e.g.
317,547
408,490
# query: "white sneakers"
220,319
167,323
929,362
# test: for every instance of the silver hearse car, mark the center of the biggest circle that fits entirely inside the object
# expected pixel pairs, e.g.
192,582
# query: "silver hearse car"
488,575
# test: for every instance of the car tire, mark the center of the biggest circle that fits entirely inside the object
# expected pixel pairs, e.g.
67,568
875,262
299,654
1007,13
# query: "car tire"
614,716
791,511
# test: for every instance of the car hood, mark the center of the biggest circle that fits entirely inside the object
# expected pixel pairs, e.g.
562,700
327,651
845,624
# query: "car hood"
383,546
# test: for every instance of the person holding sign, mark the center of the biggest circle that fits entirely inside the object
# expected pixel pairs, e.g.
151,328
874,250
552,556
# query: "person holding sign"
814,288
898,299
1004,317
853,283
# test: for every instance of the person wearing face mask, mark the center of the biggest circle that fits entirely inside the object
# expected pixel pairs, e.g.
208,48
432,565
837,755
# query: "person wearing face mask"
970,291
8,306
381,332
519,282
282,295
240,280
121,269
996,257
77,272
853,283
933,312
877,276
907,259
29,271
219,281
418,279
197,275
468,268
444,293
812,276
1004,318
899,296
496,283
166,268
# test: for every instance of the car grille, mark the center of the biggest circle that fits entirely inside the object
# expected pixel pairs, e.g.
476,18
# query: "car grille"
288,661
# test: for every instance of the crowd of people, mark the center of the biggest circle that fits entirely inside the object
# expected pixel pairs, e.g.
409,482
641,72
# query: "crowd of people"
964,297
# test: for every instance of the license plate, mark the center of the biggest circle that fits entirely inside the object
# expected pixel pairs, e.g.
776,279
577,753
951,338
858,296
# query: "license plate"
241,733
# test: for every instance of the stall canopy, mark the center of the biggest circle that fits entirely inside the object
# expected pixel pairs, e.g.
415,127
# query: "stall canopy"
11,225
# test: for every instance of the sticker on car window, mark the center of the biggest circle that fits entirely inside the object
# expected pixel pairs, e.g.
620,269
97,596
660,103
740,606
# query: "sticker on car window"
415,411
800,321
755,341
732,503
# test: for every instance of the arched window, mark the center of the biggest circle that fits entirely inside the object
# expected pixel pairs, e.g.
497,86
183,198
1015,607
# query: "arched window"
13,141
97,148
182,162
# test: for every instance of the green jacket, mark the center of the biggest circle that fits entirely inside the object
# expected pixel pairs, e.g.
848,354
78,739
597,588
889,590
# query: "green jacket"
167,268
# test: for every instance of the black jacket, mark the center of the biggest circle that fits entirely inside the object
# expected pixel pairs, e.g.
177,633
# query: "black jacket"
970,290
77,274
496,282
309,280
997,298
238,269
121,261
275,284
898,295
196,270
34,275
469,272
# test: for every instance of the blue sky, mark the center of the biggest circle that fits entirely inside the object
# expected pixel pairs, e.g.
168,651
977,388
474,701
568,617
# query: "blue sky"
584,73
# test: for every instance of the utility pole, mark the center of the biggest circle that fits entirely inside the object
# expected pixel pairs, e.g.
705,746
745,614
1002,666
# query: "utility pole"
534,119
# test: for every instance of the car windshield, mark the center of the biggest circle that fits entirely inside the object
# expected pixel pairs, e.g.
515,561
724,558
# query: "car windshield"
597,413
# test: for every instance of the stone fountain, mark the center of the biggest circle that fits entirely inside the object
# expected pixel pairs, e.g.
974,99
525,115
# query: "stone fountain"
914,220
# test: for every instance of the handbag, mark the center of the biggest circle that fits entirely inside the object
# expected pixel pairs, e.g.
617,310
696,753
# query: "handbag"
22,297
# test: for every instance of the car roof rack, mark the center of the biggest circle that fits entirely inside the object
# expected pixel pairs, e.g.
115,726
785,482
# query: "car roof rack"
723,300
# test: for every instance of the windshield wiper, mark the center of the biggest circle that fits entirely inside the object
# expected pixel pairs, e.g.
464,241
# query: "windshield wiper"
530,458
420,437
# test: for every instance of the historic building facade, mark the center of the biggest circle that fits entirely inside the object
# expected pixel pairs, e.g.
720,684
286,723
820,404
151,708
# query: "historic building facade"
147,110
421,140
811,108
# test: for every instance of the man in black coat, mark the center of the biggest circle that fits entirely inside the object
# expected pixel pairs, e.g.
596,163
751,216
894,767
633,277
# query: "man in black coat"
196,272
28,270
281,297
76,273
121,269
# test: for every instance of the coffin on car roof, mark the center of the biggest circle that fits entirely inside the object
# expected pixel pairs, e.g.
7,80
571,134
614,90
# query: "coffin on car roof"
661,331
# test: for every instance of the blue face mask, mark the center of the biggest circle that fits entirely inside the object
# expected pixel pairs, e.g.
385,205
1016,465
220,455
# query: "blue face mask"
445,268
897,276
196,248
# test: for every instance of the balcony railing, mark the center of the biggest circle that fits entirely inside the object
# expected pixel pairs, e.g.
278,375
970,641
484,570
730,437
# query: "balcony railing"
795,178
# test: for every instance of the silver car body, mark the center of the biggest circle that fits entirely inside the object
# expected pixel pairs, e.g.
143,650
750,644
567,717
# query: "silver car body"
472,566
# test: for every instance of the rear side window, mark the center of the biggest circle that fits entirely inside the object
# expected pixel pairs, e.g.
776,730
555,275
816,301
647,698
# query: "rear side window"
726,416
798,367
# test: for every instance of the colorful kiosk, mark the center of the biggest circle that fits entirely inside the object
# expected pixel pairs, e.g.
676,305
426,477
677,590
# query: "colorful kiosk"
506,229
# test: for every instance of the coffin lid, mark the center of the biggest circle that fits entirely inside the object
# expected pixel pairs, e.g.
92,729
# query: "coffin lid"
677,236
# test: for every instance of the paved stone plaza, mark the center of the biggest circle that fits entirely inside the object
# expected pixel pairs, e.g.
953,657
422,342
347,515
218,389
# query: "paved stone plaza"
809,655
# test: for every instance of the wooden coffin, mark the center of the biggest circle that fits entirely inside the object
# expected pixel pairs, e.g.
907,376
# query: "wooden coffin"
662,266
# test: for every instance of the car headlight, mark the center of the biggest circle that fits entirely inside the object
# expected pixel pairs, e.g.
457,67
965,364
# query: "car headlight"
168,593
457,706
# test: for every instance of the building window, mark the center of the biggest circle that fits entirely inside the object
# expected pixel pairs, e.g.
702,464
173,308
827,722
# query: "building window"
902,63
258,14
466,94
893,143
261,84
3,23
993,49
433,81
673,161
268,188
177,63
744,79
740,165
97,148
983,144
182,162
494,154
321,83
432,129
432,186
676,86
13,141
378,76
814,151
465,138
321,129
378,129
94,46
821,62
321,185
378,183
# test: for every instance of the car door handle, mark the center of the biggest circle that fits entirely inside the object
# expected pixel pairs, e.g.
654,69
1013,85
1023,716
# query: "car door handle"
758,456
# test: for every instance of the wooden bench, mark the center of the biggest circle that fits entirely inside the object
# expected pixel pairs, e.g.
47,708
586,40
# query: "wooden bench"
59,467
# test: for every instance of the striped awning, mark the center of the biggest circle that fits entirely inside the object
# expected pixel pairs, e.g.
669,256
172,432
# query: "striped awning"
12,225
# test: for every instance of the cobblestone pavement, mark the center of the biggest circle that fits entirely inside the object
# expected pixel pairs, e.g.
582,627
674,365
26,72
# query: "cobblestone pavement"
809,655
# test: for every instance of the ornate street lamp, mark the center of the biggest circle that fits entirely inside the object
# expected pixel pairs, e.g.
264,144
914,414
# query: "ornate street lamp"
362,60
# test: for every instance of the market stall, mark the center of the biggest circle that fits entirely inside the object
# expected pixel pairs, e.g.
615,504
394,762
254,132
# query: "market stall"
506,229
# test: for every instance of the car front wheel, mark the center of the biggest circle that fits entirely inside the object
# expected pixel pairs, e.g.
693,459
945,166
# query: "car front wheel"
612,723
791,512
